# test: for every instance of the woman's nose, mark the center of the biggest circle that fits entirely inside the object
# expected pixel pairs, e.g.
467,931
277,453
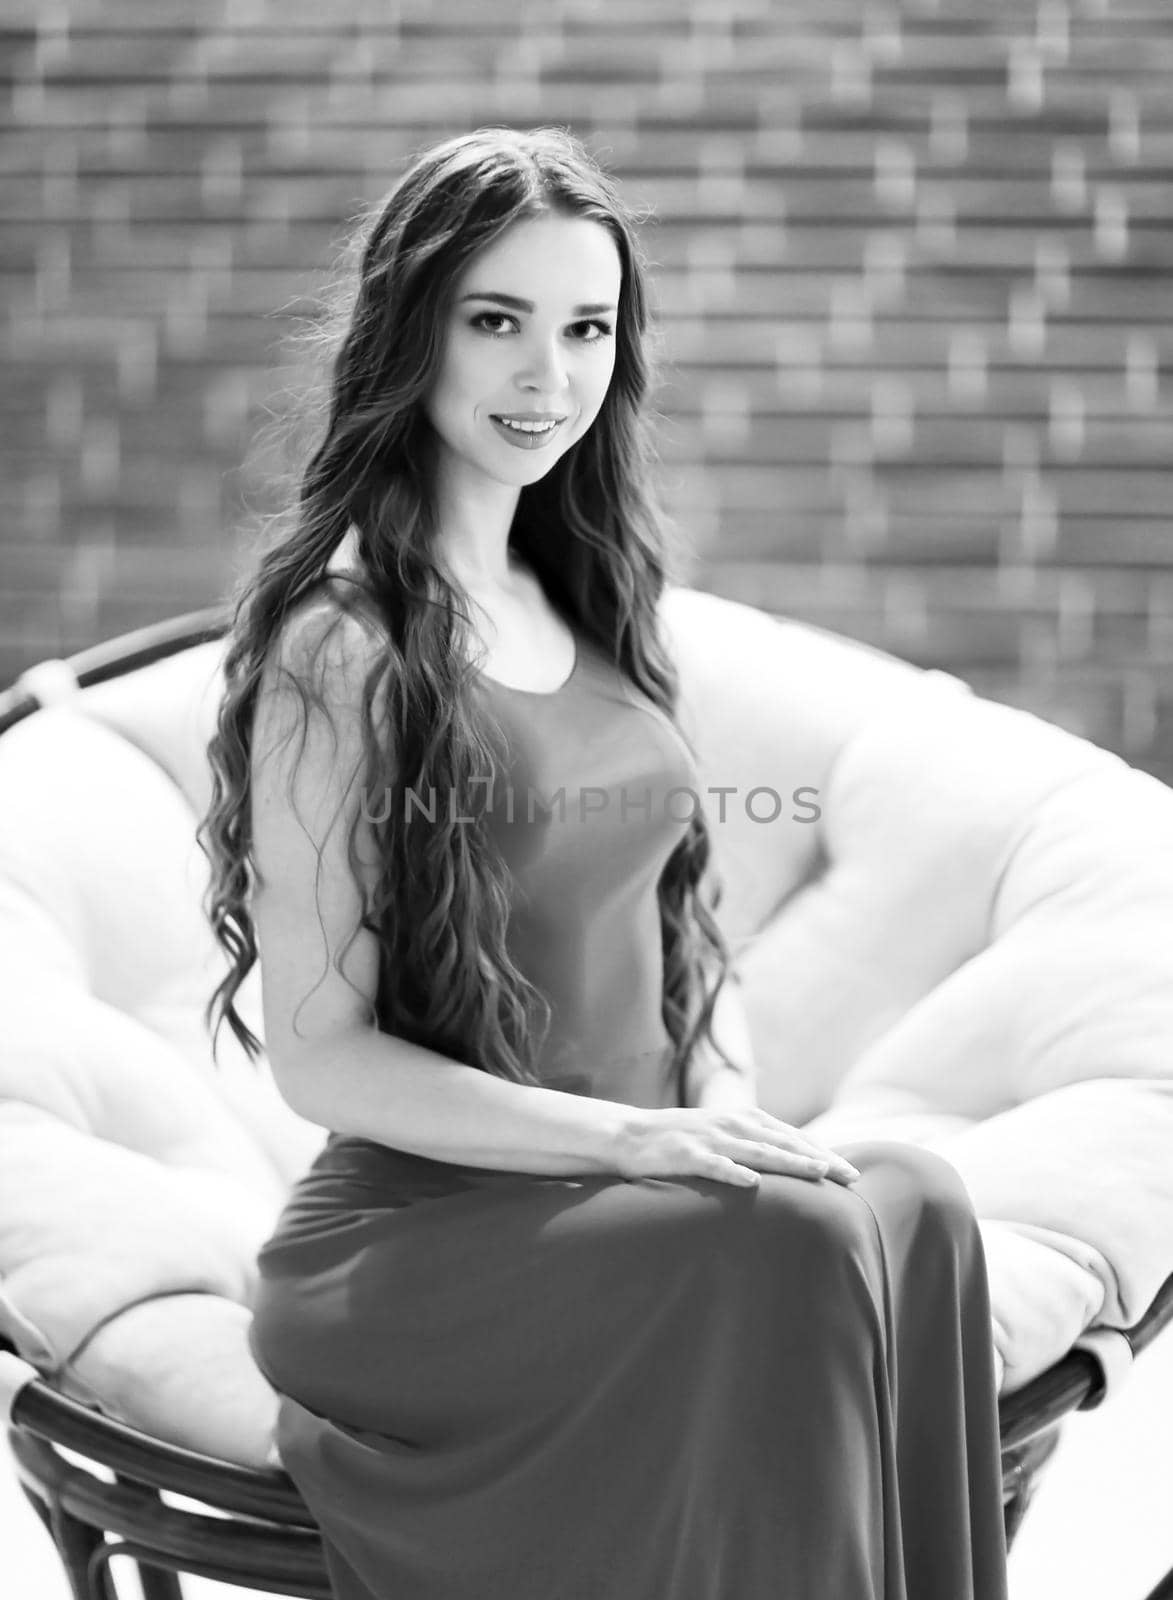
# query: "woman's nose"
544,369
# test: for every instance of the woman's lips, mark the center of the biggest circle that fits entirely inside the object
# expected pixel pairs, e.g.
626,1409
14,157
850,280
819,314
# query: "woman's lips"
526,441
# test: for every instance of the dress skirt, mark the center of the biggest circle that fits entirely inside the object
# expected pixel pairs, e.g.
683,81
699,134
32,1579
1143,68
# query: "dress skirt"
508,1386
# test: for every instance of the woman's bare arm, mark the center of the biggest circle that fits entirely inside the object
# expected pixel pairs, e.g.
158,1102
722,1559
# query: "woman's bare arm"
335,1067
383,1088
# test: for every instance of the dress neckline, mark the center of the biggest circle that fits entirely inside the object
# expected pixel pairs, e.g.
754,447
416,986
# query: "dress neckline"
540,694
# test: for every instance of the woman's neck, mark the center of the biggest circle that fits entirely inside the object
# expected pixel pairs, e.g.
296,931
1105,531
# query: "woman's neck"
472,538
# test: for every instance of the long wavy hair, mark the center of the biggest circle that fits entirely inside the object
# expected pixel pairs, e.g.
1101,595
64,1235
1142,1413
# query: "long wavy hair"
588,529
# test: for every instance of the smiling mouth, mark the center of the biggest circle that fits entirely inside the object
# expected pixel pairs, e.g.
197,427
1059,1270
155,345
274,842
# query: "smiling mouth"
542,425
527,433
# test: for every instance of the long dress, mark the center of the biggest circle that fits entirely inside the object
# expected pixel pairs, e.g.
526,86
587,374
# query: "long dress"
511,1386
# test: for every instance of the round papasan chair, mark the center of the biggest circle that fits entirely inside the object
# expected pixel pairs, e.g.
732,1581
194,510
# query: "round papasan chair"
953,925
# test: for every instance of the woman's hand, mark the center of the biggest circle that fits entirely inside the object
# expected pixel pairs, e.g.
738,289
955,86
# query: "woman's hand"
720,1131
730,1145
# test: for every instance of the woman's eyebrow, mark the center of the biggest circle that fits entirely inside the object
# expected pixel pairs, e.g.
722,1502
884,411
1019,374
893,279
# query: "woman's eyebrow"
514,304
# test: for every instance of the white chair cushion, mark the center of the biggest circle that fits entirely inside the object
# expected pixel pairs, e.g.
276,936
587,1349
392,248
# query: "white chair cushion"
133,1166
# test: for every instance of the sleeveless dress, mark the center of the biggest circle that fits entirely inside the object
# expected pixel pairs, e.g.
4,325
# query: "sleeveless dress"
510,1386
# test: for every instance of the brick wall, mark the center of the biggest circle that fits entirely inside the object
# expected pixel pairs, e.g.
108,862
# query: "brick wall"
912,268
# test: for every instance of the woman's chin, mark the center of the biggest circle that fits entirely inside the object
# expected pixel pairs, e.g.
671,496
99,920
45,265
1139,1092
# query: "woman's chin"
529,467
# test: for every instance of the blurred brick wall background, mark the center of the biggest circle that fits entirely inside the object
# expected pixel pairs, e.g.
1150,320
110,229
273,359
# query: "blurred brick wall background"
912,267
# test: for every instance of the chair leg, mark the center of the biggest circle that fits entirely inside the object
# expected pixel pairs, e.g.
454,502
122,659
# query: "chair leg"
1013,1512
39,1506
159,1583
1021,1475
77,1544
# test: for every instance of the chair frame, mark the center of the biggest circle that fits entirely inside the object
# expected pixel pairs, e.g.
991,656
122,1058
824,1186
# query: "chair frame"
259,1533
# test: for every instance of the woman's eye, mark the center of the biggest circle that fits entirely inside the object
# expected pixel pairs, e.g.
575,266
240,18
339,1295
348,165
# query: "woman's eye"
595,330
492,316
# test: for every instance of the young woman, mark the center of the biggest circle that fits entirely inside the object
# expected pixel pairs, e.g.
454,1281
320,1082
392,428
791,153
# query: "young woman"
558,1313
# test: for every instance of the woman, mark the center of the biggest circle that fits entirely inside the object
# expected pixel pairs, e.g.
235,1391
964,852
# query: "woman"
558,1313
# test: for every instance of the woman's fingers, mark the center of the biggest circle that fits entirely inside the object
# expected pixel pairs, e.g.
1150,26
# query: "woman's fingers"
807,1162
731,1147
770,1133
746,1161
759,1124
725,1170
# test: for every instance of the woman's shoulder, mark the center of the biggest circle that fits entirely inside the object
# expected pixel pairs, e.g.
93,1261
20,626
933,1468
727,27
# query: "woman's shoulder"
331,630
317,666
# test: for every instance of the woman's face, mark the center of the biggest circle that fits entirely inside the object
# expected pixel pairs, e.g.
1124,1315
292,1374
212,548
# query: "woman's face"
529,351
